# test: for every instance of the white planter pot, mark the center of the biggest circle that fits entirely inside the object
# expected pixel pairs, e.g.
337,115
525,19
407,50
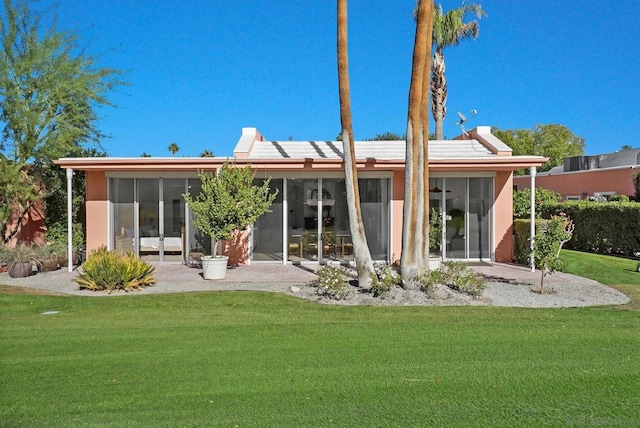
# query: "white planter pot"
214,267
434,263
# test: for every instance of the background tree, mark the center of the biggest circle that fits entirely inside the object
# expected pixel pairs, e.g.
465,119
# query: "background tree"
415,225
206,154
448,30
50,90
554,141
361,253
387,136
145,155
17,193
173,148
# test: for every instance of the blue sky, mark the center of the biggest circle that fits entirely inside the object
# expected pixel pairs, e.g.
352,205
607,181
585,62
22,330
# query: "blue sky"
201,70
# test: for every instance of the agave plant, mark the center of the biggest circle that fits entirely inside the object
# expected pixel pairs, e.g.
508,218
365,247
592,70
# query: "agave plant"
19,259
21,253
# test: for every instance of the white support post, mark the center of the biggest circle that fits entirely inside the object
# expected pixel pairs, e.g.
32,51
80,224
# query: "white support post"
69,219
533,216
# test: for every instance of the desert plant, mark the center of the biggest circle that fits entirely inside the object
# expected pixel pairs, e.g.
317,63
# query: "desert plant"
19,259
50,255
331,283
109,270
384,278
20,253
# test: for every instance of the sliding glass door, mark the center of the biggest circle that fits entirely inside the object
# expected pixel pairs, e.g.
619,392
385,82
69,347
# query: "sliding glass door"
267,231
466,204
148,217
316,217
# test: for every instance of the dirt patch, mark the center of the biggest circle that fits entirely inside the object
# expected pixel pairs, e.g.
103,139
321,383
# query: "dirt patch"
7,289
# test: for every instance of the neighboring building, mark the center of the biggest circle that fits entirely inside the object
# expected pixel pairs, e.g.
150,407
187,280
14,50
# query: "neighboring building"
137,204
583,177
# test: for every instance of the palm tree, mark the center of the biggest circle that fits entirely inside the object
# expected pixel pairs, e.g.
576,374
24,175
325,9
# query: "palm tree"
415,221
448,30
173,148
206,154
361,253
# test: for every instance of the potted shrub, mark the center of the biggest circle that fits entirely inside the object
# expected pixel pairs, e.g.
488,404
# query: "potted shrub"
435,239
50,256
228,201
20,260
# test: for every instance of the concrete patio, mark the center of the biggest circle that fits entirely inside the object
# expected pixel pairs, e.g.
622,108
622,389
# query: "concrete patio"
171,278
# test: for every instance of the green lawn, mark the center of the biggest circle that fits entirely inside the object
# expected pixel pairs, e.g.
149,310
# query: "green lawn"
614,271
259,359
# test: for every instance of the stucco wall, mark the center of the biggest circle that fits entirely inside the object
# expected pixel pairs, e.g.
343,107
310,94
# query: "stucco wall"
584,182
397,204
503,214
97,210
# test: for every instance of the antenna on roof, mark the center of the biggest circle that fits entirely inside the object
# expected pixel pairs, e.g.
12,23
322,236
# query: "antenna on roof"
463,120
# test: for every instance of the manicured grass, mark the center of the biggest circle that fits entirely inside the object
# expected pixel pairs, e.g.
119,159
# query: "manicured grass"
614,271
260,359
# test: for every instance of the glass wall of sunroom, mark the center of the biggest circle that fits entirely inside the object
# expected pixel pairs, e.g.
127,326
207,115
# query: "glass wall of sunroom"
308,222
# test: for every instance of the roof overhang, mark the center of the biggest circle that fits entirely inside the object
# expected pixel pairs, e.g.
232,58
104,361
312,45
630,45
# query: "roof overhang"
497,163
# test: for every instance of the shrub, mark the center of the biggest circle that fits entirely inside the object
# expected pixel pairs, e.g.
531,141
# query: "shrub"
522,239
522,201
455,275
607,228
618,198
56,235
458,276
109,270
428,281
331,282
384,278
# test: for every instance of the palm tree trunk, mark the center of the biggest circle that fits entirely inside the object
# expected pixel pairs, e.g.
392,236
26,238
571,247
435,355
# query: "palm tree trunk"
415,233
438,92
361,254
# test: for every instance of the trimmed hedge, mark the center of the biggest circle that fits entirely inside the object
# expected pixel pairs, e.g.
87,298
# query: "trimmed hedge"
521,234
607,228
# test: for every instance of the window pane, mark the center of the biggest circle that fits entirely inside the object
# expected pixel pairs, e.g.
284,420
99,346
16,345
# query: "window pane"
121,197
455,219
480,203
267,231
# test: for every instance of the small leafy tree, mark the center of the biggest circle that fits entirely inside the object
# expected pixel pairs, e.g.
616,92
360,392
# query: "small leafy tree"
17,193
549,239
228,201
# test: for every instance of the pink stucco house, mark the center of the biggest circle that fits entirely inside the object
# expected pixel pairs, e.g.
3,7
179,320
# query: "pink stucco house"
583,177
137,204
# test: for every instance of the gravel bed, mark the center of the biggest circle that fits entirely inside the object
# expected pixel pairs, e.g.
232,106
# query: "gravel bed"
495,294
561,291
